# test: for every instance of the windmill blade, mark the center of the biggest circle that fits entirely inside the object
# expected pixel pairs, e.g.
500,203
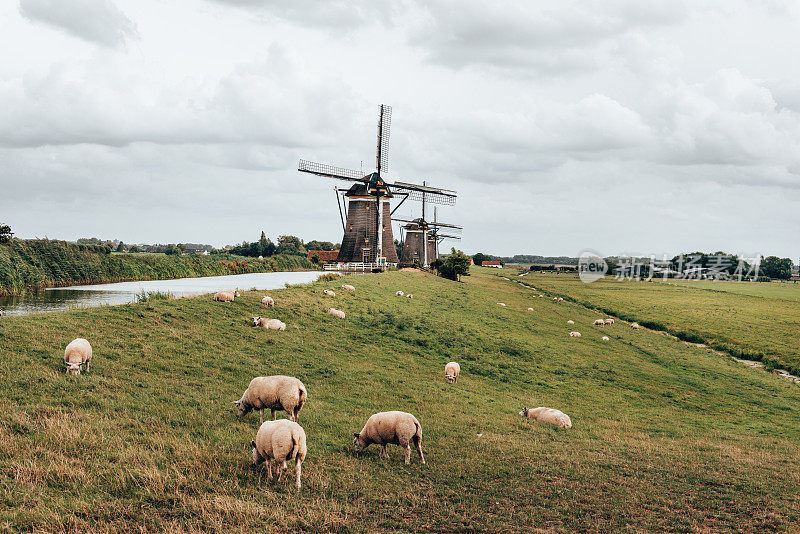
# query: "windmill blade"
446,225
434,195
329,171
434,225
447,236
384,126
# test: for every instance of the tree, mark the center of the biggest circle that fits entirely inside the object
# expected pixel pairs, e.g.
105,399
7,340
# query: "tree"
289,244
121,247
172,250
315,258
778,268
5,233
455,265
320,245
480,257
134,248
399,247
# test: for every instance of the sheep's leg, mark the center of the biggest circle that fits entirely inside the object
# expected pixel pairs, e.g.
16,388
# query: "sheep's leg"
296,412
281,470
269,469
261,416
87,366
418,445
408,453
290,412
384,453
298,468
273,413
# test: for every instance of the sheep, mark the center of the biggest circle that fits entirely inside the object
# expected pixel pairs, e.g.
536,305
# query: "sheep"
555,299
280,441
548,415
501,304
574,334
399,294
226,296
409,296
77,353
275,392
560,299
400,428
530,309
451,372
609,321
348,287
270,324
635,326
570,322
269,301
337,313
328,292
605,338
599,322
541,296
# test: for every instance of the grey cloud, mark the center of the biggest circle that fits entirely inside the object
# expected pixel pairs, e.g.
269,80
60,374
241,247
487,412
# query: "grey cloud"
97,21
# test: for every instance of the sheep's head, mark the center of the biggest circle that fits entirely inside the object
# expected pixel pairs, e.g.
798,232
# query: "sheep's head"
524,412
237,294
256,456
256,320
73,368
358,443
450,378
242,409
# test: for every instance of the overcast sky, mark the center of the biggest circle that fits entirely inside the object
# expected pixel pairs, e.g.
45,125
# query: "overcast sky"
638,126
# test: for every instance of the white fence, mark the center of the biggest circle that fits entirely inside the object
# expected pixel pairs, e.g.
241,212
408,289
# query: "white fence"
364,267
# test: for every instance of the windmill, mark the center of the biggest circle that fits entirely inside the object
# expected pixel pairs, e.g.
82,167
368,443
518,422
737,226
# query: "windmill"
367,229
422,237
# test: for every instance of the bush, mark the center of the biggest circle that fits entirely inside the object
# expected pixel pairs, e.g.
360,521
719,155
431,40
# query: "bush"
690,337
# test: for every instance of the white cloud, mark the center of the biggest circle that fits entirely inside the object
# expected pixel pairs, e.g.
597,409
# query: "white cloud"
97,21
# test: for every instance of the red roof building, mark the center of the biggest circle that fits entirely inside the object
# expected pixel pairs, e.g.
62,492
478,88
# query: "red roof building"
325,256
495,264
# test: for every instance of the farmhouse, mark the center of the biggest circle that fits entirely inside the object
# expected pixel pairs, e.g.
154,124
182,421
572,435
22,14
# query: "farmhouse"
495,264
324,256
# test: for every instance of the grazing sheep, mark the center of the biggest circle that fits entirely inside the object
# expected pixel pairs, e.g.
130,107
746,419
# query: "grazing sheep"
635,326
409,296
280,441
226,296
337,313
275,392
548,415
269,301
270,324
570,322
400,428
399,294
530,309
574,334
501,304
560,299
329,293
605,338
555,299
348,287
451,372
77,353
609,321
541,296
599,322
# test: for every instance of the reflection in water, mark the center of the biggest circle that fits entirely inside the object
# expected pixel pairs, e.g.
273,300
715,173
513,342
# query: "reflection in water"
125,292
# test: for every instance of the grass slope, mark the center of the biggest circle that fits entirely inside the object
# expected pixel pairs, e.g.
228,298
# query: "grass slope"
34,264
758,321
666,437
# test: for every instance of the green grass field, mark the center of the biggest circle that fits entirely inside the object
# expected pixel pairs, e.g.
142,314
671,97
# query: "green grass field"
758,321
665,437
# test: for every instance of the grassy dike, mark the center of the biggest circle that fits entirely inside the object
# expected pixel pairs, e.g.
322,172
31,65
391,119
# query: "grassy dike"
666,437
26,265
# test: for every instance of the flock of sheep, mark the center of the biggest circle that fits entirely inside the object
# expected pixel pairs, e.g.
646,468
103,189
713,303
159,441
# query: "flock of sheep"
283,440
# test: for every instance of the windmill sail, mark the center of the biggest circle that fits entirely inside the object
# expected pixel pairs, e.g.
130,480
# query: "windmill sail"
330,171
384,126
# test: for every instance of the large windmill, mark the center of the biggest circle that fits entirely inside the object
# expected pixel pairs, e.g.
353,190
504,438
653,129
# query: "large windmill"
368,229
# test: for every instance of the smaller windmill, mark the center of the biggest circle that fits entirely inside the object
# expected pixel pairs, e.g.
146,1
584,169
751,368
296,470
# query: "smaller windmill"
422,237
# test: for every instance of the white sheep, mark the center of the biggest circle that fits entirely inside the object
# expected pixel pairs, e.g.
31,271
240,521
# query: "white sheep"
337,313
570,322
329,293
574,334
269,301
530,309
555,299
501,304
399,294
609,321
348,287
451,372
409,296
599,322
400,428
226,296
547,415
560,299
541,296
275,392
280,441
635,326
77,353
605,338
269,324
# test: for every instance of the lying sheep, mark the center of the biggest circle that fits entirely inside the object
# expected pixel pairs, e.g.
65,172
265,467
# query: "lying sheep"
605,338
77,353
348,287
570,322
501,304
530,309
635,326
555,299
226,296
400,428
328,292
560,299
280,441
275,392
574,334
451,372
399,294
609,321
409,296
599,322
269,301
541,296
337,313
269,324
548,415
